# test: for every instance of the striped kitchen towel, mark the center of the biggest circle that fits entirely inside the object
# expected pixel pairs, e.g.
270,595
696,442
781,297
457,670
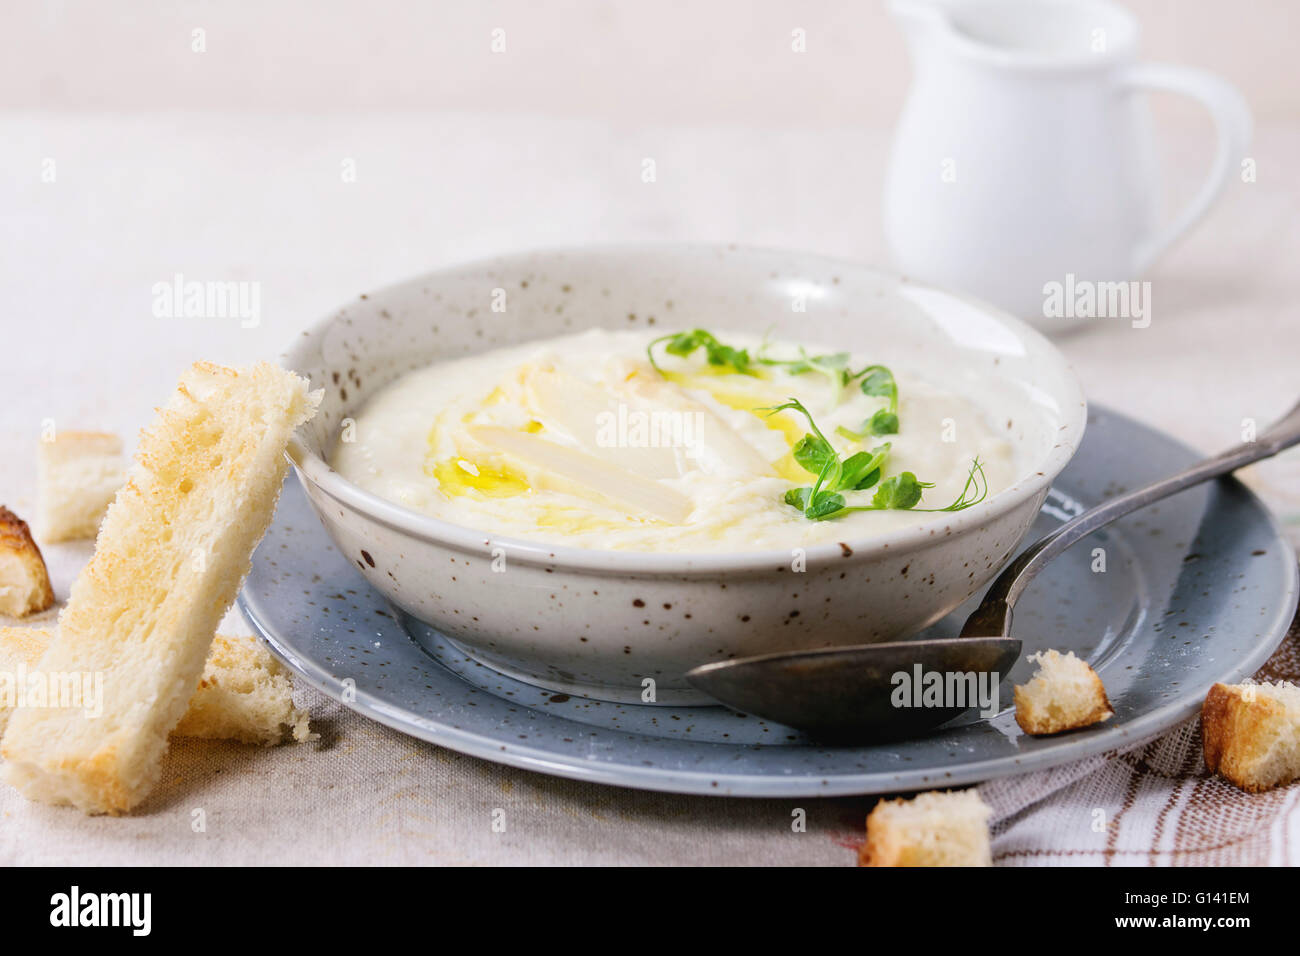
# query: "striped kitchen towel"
1152,804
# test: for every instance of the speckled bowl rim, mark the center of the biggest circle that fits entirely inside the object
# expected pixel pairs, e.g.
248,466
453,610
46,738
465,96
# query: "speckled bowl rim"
317,472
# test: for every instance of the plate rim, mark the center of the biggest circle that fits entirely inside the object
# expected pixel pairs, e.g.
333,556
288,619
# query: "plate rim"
1066,749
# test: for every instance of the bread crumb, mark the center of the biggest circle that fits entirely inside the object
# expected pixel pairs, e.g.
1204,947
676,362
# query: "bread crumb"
1251,733
77,476
937,828
1064,694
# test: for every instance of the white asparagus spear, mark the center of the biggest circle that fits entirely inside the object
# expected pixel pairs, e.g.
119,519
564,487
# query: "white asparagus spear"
717,449
622,488
587,413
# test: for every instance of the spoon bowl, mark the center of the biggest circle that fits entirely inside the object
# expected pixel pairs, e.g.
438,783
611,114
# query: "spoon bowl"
869,691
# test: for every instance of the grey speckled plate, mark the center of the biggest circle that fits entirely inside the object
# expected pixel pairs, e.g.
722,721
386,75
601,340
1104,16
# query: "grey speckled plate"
1197,589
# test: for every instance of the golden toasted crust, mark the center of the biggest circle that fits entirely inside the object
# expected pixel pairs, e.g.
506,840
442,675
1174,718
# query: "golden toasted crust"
883,845
24,581
1238,730
23,645
168,561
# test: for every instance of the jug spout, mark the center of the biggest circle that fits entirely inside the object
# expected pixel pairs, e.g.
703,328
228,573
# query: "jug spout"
1062,33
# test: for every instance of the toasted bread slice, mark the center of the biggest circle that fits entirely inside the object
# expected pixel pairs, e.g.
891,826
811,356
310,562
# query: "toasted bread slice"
77,475
170,556
948,828
24,582
245,694
1251,733
1064,694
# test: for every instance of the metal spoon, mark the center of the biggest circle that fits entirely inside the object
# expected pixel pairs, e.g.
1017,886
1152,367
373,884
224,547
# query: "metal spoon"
845,692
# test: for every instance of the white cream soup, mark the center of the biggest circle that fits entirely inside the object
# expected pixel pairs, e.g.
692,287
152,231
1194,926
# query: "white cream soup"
581,441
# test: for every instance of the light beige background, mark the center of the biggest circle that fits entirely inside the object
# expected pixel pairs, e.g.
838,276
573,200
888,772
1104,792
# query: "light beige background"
629,61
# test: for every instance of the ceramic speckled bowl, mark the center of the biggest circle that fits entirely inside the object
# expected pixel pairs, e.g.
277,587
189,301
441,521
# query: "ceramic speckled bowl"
626,626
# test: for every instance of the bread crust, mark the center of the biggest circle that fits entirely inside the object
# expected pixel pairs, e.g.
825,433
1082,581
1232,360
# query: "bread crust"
1236,732
883,846
1040,722
23,574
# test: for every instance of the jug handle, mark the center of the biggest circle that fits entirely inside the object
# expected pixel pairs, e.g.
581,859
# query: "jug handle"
1232,122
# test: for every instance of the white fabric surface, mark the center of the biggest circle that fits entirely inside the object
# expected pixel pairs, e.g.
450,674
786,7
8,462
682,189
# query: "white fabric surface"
139,198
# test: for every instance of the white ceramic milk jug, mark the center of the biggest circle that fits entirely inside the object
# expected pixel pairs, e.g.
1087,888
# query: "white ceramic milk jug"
1023,156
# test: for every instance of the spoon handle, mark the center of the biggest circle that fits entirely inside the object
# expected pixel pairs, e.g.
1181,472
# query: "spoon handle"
993,616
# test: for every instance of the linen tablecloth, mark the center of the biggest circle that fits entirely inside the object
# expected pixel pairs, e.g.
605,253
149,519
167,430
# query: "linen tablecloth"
139,198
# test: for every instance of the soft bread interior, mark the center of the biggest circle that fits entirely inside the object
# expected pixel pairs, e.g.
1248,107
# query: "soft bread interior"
933,829
1064,694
